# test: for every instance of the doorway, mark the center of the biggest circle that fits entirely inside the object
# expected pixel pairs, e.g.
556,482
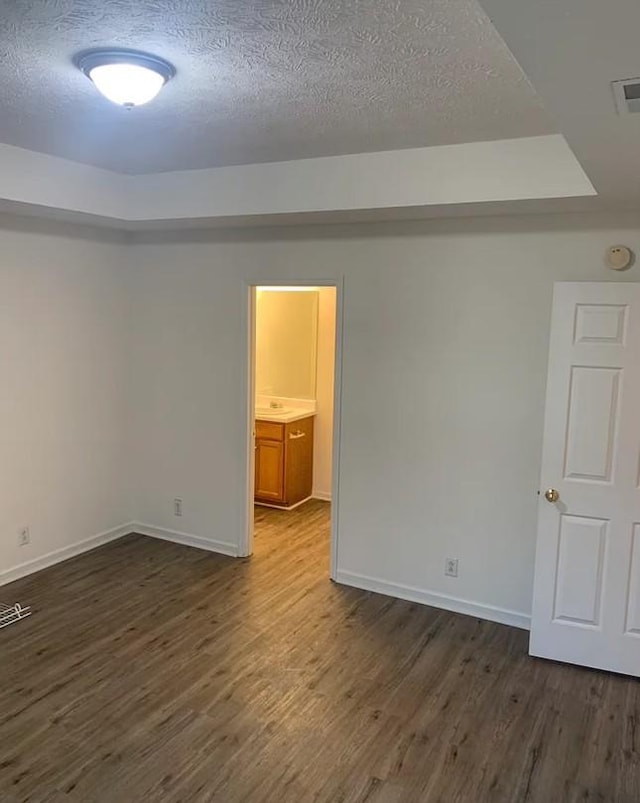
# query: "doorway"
293,409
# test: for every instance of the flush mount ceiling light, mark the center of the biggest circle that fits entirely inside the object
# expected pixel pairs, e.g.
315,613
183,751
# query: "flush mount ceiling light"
125,77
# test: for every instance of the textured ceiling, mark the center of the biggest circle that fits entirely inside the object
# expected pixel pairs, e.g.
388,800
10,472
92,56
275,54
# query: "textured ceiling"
261,80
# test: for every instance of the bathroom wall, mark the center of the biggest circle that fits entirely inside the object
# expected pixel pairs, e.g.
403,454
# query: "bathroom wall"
286,343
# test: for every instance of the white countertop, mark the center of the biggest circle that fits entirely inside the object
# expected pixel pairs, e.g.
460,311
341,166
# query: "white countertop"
285,416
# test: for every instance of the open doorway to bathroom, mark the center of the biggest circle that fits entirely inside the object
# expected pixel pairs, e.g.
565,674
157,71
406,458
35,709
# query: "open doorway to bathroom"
294,394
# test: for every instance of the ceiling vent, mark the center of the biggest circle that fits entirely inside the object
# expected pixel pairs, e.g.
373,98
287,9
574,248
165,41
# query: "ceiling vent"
627,95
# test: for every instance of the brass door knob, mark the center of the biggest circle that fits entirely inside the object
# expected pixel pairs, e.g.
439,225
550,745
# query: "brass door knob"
551,495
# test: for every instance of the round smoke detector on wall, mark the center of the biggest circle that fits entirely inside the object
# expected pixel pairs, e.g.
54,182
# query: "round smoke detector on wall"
618,257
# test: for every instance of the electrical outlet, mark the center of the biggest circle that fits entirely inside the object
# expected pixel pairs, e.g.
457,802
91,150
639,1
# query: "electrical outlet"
24,536
177,506
451,567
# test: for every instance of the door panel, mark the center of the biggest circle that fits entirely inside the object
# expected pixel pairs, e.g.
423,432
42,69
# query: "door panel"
579,575
591,430
586,606
600,323
633,602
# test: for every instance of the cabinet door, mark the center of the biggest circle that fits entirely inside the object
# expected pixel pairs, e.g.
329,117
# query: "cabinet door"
269,470
298,471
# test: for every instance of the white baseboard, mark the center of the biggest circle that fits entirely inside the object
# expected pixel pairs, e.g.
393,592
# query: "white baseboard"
322,496
410,593
59,555
280,507
51,558
435,599
186,539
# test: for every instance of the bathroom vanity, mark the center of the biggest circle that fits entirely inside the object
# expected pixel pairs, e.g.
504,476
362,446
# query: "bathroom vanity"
283,457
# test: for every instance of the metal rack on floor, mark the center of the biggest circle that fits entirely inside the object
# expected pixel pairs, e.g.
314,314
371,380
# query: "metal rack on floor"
12,613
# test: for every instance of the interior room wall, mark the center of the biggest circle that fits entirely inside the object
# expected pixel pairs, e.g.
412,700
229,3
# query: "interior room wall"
446,329
127,365
323,430
63,404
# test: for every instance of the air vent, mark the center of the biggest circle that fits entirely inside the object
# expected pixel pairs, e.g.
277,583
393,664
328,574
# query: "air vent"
627,95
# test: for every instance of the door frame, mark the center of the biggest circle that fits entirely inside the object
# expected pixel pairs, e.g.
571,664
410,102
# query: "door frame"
248,311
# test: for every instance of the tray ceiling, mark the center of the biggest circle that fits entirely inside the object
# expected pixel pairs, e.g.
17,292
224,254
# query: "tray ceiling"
261,80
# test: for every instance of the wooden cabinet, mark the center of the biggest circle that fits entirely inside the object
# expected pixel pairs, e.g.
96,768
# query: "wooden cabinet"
283,462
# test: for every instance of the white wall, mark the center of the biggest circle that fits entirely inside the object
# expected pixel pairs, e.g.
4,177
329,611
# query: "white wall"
445,351
63,354
189,378
323,428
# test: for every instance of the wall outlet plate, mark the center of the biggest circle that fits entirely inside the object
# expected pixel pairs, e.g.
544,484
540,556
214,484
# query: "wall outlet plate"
24,536
451,567
177,506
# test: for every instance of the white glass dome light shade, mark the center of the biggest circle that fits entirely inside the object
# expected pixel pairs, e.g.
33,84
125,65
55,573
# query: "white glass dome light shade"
127,78
126,84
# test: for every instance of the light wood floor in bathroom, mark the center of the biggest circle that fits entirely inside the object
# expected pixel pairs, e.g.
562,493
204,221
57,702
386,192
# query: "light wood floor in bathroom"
153,672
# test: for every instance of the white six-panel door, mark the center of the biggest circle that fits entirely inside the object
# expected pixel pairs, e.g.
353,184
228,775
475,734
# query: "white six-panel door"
586,606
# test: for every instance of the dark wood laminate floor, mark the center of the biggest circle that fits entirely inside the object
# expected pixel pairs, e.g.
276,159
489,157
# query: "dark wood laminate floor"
154,672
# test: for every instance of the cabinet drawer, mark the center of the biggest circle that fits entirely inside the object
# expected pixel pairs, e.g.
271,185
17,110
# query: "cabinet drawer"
269,430
302,428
